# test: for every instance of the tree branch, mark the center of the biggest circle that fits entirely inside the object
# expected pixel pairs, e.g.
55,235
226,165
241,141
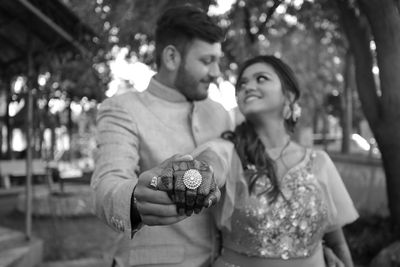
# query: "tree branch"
270,12
247,24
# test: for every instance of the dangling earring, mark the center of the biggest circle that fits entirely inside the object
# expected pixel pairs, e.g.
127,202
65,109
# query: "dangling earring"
292,112
287,112
296,112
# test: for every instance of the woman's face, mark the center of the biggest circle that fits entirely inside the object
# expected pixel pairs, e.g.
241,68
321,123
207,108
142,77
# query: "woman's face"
259,91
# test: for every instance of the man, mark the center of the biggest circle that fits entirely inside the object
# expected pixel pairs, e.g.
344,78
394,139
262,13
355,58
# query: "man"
138,131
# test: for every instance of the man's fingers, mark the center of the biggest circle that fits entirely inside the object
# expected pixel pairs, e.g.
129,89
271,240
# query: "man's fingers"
144,194
152,209
155,220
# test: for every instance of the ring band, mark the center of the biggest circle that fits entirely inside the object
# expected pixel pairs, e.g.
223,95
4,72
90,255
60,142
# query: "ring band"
154,182
192,179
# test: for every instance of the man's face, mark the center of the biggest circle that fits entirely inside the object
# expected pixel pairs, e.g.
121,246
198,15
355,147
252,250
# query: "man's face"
198,69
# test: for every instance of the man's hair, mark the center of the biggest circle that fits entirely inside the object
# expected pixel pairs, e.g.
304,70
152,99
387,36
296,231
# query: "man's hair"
180,25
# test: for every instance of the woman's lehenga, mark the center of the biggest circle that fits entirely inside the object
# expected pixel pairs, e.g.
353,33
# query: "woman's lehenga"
288,231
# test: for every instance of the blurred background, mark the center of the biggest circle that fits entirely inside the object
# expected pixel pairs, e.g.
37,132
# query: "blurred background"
60,59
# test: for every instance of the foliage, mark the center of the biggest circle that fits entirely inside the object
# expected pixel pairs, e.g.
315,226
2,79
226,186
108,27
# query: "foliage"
367,236
306,35
252,27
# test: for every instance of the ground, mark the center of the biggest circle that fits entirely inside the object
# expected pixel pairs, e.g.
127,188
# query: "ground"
65,238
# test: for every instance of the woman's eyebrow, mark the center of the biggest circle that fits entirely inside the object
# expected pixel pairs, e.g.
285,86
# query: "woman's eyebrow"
262,72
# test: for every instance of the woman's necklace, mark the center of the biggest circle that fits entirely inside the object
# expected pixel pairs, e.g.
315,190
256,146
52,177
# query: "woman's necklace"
277,152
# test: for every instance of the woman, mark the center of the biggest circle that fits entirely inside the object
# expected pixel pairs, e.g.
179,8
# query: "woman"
280,200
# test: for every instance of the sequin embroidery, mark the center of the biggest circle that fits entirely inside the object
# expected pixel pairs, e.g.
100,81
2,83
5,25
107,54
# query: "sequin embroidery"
290,227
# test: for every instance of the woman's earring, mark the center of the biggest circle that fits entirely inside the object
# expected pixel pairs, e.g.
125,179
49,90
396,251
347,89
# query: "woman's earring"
287,112
296,112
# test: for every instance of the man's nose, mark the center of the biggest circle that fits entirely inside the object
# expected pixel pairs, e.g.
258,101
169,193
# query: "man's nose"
215,71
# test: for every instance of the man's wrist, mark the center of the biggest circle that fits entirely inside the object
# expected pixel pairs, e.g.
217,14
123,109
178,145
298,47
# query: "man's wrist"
136,220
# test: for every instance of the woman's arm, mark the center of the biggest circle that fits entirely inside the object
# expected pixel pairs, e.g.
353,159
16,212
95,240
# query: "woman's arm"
216,163
218,154
337,242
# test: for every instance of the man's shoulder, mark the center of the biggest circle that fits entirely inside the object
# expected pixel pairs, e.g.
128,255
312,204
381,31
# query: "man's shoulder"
125,99
208,104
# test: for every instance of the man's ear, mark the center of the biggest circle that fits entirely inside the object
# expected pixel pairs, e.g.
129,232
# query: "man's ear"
171,58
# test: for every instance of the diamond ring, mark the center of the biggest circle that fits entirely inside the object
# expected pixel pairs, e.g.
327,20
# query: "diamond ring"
154,182
192,179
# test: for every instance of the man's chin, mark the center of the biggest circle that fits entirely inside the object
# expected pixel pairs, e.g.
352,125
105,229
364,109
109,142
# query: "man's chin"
199,97
202,92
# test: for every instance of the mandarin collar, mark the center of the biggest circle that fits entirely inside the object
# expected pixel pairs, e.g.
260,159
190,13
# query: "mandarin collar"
165,92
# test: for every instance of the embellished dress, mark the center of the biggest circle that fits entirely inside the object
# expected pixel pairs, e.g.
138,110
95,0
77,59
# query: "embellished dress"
288,231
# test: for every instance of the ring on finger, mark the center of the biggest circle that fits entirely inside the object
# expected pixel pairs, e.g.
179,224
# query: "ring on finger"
154,183
192,179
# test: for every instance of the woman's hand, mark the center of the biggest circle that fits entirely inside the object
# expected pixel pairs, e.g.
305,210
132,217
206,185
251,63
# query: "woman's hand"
190,184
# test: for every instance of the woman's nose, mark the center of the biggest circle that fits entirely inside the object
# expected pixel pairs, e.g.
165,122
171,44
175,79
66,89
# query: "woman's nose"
250,86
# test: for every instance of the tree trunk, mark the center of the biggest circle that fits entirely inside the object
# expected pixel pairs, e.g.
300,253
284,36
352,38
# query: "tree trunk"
7,118
347,114
380,104
384,19
70,132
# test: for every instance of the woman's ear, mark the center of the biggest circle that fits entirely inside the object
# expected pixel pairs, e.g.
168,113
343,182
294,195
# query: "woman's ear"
290,97
171,58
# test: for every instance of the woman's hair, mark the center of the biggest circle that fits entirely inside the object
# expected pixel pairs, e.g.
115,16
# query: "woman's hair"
252,153
180,25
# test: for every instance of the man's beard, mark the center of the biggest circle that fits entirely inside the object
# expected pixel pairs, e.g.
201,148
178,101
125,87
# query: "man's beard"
188,85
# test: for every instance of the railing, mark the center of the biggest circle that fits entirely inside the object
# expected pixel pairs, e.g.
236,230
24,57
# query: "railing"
18,168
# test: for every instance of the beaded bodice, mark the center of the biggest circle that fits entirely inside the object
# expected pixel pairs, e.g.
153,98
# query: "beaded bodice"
290,227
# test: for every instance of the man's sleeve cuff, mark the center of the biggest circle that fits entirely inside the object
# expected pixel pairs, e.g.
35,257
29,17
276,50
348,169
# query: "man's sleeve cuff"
136,220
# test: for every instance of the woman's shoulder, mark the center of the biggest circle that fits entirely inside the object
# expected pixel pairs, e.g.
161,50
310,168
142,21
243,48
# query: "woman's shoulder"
323,167
319,156
312,157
